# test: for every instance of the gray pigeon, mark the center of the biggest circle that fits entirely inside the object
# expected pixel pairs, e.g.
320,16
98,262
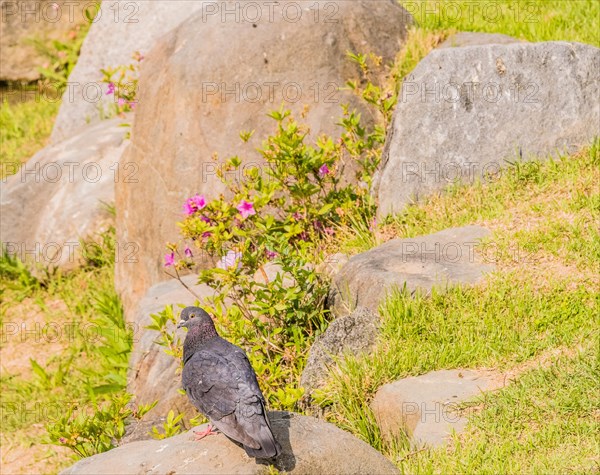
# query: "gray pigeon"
220,382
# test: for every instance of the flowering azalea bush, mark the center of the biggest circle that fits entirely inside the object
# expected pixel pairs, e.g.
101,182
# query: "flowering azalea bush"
266,237
265,243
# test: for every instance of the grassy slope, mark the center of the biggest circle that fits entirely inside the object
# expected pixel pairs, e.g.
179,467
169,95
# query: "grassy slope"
24,128
75,365
543,296
531,20
545,422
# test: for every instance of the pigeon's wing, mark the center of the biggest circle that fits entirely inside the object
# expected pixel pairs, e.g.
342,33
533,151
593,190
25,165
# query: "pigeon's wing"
221,383
251,415
209,384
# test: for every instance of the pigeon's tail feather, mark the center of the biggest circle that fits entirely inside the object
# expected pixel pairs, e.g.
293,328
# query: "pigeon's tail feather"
269,447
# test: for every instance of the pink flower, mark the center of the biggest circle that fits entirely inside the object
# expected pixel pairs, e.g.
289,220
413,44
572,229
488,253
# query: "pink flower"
193,204
188,252
169,259
324,170
188,208
271,254
121,101
62,440
199,201
111,88
205,219
329,231
230,260
246,208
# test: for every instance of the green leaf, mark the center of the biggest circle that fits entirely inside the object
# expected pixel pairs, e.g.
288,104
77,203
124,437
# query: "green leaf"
325,209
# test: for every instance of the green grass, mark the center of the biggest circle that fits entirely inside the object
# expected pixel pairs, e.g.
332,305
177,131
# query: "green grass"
540,190
546,422
531,20
498,325
24,129
78,346
558,198
544,295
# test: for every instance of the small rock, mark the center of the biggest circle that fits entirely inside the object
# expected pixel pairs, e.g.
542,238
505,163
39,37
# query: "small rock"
424,406
140,430
309,446
420,263
472,38
354,333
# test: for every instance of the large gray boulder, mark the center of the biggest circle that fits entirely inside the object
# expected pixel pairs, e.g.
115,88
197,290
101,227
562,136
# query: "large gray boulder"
441,259
59,197
119,30
463,111
23,21
426,408
213,77
309,446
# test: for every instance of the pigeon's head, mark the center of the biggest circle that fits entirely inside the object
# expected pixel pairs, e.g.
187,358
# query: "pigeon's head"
192,317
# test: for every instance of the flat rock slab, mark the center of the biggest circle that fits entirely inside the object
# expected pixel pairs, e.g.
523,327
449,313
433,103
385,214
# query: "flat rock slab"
441,259
463,112
309,446
57,197
424,406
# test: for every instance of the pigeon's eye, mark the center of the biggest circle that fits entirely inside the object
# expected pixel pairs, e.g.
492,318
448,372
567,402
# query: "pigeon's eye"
192,315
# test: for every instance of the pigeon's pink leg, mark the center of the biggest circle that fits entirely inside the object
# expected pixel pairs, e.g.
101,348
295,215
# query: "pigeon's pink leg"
208,431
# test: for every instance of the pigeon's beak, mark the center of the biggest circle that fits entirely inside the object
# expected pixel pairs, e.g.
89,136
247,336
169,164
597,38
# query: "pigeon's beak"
181,323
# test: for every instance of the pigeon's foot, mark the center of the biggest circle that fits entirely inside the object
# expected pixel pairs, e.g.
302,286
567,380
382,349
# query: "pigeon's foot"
208,431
